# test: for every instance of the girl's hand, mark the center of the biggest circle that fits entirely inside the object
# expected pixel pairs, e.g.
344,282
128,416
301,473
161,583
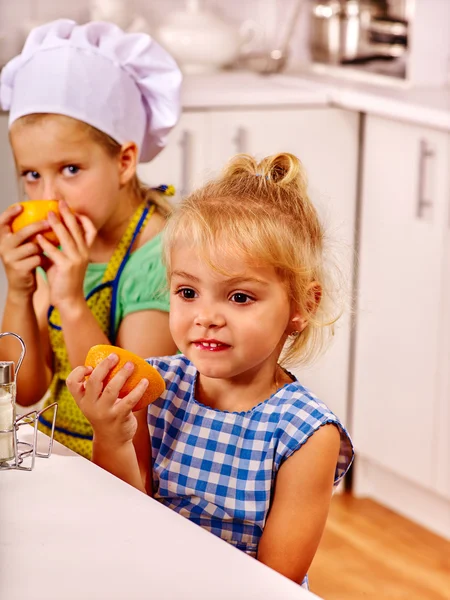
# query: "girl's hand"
111,417
66,267
19,255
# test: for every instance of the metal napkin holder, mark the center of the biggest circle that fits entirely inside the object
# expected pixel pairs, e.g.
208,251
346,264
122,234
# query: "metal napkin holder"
25,453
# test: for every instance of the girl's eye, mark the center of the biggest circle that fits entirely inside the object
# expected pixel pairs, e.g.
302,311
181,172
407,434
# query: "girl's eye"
71,170
241,298
186,293
31,176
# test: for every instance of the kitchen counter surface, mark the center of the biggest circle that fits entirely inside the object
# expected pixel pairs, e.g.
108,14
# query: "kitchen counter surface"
423,106
69,529
429,107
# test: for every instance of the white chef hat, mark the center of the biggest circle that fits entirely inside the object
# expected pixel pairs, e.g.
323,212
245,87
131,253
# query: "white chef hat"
124,84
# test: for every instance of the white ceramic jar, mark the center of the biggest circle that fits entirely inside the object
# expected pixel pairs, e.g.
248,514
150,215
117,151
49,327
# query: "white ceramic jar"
199,41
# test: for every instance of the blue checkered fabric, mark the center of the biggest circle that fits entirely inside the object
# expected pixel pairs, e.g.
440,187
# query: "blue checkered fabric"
218,468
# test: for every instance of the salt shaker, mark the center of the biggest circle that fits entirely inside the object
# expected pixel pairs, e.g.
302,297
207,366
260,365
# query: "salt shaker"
7,410
8,373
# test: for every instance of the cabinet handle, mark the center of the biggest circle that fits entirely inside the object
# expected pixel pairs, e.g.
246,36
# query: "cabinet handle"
186,161
422,201
240,140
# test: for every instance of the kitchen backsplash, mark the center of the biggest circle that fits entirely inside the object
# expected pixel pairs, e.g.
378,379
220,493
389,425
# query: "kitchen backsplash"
266,18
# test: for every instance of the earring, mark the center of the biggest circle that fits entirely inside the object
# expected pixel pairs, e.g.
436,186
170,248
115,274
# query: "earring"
294,334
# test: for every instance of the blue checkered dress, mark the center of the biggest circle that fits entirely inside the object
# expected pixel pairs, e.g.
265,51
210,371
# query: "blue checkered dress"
218,468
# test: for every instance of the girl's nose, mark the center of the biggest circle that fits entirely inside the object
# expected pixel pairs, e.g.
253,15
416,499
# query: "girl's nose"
49,190
209,318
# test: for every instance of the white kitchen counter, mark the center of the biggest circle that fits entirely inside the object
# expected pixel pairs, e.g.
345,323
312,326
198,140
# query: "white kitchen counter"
429,107
71,531
302,87
244,88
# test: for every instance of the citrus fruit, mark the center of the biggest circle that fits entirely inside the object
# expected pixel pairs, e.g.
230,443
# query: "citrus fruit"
33,211
142,370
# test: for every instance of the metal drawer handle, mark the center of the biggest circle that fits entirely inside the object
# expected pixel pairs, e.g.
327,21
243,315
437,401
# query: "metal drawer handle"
186,161
423,202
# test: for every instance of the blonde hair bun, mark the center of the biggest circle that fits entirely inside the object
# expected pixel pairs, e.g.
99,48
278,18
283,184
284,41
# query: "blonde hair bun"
283,169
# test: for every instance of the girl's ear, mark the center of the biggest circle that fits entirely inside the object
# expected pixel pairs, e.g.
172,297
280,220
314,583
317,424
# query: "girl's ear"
299,319
128,159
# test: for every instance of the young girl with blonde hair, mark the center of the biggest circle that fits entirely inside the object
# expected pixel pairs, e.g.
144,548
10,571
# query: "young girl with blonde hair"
236,444
86,104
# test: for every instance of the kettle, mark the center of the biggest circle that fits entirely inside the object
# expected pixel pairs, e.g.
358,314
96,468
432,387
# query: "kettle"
199,40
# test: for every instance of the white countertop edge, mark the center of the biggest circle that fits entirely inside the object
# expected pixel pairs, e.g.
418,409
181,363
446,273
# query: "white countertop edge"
392,109
428,107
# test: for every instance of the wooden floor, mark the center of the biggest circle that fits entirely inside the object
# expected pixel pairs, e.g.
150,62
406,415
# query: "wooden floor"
370,553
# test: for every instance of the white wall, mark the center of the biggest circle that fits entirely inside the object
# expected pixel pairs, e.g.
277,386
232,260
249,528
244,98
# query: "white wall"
9,191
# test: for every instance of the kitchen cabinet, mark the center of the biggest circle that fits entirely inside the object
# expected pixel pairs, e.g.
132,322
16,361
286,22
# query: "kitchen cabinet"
183,161
401,390
326,140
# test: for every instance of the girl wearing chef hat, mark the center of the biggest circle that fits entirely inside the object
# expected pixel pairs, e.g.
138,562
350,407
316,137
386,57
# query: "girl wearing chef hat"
86,103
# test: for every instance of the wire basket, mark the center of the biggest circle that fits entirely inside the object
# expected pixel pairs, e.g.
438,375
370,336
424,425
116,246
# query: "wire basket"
25,452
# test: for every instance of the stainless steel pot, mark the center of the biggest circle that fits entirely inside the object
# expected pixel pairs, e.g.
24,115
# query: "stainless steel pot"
345,30
325,31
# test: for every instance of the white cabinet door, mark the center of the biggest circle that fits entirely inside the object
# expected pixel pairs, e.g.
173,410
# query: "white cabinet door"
182,162
326,141
443,412
398,338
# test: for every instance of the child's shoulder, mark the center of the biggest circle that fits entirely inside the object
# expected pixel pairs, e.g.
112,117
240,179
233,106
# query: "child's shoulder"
302,414
295,398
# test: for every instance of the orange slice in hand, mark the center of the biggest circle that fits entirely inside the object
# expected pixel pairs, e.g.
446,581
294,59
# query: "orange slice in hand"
33,211
142,370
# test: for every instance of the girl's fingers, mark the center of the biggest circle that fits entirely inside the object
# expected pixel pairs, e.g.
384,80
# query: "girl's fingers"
24,251
8,216
112,390
71,222
30,264
16,239
62,233
52,252
94,384
89,230
76,382
128,402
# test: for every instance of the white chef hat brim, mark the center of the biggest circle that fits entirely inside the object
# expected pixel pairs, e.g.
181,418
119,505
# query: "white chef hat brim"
125,85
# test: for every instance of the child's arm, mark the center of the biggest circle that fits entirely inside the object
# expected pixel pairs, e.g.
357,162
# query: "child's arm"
158,343
25,307
121,439
65,268
303,490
